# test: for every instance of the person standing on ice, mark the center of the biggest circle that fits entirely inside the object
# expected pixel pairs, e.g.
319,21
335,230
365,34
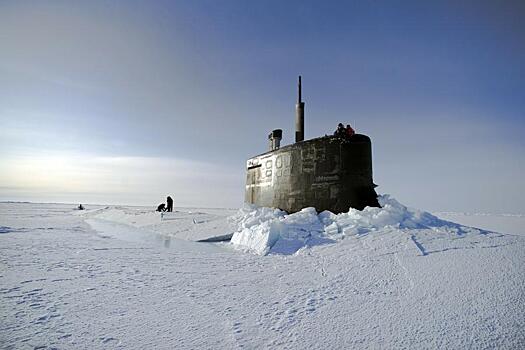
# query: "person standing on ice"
170,204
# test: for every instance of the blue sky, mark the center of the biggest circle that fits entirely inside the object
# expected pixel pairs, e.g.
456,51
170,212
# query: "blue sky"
126,102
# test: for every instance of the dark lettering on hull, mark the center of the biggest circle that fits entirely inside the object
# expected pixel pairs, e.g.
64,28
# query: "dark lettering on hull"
327,173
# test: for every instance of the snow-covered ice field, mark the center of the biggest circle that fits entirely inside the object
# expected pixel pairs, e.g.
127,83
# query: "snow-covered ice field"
123,277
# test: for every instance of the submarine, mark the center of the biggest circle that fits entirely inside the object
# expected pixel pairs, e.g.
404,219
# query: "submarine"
327,173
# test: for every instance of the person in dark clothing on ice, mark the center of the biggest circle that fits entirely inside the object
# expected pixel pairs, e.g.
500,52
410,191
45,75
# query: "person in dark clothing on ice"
161,207
170,204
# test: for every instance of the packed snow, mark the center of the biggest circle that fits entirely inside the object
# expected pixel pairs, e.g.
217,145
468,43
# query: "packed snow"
183,223
132,278
504,223
266,231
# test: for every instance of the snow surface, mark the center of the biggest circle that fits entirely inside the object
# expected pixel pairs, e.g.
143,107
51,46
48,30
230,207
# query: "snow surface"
505,223
184,223
266,231
125,277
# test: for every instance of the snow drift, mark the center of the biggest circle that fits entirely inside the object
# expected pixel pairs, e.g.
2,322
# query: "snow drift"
263,231
272,231
184,223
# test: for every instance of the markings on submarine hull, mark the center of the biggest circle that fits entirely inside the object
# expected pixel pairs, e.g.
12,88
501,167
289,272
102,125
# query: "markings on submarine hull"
327,178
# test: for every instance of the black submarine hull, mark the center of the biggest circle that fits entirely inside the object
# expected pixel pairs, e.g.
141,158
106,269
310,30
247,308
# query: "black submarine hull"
327,173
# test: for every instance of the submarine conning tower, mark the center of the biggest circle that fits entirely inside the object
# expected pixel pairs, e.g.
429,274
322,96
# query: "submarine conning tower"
328,173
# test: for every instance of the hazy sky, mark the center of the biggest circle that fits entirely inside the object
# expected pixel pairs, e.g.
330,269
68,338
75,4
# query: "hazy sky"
126,102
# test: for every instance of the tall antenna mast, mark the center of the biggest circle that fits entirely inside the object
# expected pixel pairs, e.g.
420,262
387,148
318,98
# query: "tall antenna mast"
299,91
299,115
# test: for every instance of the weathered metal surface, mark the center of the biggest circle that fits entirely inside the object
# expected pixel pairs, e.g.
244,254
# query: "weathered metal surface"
327,173
299,122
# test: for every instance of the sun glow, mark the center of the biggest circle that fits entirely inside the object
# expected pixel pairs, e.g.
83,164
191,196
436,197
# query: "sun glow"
134,180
